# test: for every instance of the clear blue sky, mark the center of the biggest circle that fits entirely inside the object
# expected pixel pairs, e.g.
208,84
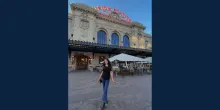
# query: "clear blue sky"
137,10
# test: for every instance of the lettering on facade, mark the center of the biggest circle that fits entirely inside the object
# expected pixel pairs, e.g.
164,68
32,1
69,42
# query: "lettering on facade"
108,12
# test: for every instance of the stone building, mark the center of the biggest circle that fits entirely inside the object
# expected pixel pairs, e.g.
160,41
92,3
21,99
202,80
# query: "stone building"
94,35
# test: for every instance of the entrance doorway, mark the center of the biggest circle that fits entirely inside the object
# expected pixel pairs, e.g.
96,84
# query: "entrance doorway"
81,62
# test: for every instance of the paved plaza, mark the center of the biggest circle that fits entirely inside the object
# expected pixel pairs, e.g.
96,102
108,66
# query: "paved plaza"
128,93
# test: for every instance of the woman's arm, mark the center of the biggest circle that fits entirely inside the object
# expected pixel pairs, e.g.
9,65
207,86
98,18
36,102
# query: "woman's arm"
112,76
100,76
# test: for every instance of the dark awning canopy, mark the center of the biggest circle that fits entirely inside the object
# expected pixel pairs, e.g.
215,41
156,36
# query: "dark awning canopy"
105,48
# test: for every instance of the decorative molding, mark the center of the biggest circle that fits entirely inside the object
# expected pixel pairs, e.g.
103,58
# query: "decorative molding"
84,15
133,31
103,29
73,22
84,24
137,24
127,34
83,7
113,21
88,9
117,32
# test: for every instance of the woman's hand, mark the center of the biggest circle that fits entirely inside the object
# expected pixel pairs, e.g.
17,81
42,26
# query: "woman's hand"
100,76
113,80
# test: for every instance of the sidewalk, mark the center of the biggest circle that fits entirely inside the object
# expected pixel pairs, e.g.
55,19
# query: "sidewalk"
129,93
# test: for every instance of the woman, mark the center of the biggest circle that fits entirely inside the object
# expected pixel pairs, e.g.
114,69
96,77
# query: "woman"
104,77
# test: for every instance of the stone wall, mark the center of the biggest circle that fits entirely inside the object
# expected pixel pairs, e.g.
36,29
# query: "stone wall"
84,26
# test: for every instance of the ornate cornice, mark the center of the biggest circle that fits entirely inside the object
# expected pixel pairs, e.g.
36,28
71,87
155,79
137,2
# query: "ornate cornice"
84,7
147,35
137,24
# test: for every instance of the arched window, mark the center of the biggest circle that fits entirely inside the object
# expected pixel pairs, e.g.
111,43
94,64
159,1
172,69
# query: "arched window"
101,37
114,39
126,42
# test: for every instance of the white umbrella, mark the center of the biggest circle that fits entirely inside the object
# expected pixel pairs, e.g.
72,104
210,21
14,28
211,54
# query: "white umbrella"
124,57
148,59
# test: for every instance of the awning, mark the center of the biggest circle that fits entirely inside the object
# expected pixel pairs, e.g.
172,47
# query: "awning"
105,48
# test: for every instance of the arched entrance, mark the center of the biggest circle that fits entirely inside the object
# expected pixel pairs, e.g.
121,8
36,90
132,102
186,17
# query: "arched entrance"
81,62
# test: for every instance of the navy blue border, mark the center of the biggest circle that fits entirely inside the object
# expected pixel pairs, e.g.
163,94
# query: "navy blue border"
185,55
33,57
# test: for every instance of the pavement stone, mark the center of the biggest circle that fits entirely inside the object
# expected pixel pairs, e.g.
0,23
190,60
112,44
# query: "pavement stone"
128,93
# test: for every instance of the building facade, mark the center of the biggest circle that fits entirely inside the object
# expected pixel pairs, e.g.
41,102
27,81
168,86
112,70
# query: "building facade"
93,35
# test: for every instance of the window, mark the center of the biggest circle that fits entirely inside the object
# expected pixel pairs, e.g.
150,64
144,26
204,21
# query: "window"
101,37
126,42
114,39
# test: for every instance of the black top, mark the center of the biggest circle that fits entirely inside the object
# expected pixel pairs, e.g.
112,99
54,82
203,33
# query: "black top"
106,72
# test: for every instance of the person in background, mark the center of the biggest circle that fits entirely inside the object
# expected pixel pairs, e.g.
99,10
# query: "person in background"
104,78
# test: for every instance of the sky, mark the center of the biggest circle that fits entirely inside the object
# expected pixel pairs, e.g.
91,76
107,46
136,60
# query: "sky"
136,10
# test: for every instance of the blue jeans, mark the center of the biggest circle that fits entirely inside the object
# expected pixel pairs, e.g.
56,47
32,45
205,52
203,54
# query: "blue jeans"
105,90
